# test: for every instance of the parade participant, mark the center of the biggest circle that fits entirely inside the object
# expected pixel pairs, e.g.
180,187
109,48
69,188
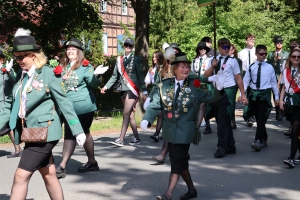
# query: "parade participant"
276,59
36,97
290,100
157,60
162,73
129,71
198,67
7,81
233,53
80,77
224,109
208,42
260,77
247,57
179,123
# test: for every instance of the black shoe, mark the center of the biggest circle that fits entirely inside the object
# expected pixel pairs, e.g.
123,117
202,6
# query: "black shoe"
290,162
249,123
297,160
220,153
233,126
158,161
15,154
287,133
162,197
256,145
189,195
279,118
60,172
155,137
89,166
207,131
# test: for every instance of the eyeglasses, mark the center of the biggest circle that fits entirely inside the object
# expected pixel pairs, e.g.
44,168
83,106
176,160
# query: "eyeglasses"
128,45
20,58
262,54
294,57
279,42
225,47
295,45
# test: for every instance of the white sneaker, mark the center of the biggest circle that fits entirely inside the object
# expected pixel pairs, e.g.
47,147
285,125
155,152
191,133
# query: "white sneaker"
203,124
135,141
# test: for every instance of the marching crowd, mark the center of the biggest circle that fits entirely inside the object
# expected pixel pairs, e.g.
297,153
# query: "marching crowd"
185,95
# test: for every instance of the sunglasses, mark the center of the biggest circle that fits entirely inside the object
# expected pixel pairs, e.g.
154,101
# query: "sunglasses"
278,42
20,58
294,57
262,54
225,47
128,45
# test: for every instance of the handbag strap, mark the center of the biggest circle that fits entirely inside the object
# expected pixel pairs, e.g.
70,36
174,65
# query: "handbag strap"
22,119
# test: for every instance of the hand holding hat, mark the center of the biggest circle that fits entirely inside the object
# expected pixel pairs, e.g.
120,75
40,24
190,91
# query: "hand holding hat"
9,65
100,70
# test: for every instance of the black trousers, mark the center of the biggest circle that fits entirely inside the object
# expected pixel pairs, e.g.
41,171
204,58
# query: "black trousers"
225,135
260,109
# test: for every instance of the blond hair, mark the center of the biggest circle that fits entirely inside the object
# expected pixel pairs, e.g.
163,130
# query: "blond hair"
40,58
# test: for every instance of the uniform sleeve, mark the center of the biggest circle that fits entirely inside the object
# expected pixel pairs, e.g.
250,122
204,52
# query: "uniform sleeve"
58,91
154,108
5,111
208,97
235,66
155,87
139,73
114,76
11,77
246,80
90,78
273,82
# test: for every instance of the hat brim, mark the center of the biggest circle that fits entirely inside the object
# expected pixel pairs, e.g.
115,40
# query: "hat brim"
30,49
66,46
177,61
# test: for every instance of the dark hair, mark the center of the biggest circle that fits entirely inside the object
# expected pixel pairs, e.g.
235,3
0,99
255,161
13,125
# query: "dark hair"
235,54
294,44
206,39
260,47
249,36
223,41
159,60
80,57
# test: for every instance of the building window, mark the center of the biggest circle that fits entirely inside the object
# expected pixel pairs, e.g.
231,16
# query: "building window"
124,7
104,40
120,39
103,6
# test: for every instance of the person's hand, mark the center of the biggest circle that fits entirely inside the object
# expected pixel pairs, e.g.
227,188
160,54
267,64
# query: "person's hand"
80,139
281,105
9,65
147,102
239,99
144,97
213,78
220,80
144,125
100,70
103,90
276,102
244,100
214,62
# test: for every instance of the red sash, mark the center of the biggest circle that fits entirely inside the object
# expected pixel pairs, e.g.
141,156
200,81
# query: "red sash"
288,77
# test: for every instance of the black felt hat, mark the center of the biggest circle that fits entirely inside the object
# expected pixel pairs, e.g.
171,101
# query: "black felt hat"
129,41
74,42
277,39
23,41
1,54
202,45
180,57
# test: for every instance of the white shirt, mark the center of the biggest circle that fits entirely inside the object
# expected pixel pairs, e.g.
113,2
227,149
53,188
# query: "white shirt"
231,69
30,73
150,76
244,56
267,78
285,81
195,64
180,83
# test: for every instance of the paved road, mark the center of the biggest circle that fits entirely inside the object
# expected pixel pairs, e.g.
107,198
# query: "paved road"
129,173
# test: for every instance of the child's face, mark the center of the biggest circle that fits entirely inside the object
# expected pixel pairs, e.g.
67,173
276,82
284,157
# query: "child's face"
261,55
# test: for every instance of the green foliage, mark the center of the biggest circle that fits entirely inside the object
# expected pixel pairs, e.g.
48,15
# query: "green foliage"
5,139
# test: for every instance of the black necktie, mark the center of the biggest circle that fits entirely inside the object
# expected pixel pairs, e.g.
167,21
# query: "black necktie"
258,76
177,91
293,72
124,61
219,64
249,56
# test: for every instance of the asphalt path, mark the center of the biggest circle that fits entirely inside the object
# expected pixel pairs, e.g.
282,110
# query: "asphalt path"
129,173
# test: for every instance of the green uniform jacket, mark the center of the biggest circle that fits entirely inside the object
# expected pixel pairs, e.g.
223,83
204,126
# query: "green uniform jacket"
83,97
136,75
40,104
277,64
179,130
6,84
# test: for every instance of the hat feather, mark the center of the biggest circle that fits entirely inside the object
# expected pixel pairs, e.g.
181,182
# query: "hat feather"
170,54
165,45
22,32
